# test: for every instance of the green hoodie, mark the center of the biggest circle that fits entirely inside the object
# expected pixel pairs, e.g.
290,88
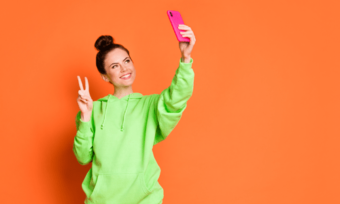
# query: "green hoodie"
119,138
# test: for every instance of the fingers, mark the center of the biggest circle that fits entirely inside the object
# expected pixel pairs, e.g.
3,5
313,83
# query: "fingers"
191,36
86,85
84,95
188,33
183,27
83,99
80,83
81,93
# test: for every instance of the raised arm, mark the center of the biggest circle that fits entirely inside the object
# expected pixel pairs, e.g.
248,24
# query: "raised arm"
83,141
170,104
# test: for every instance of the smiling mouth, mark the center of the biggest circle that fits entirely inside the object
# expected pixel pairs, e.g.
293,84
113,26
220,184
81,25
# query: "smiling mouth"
126,76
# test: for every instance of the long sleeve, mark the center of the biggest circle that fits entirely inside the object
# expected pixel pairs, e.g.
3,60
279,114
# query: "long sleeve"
83,141
170,104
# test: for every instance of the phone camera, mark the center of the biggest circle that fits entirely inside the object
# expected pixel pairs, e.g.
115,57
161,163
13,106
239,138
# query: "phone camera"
170,14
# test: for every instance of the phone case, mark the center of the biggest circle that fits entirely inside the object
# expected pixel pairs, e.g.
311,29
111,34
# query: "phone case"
176,19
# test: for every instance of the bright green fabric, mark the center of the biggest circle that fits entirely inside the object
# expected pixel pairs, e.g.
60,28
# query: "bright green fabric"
119,138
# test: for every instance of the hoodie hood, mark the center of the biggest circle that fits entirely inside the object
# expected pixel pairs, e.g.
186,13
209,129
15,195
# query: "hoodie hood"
107,99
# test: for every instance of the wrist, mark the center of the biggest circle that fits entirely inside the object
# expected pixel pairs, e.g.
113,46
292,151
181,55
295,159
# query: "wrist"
186,59
85,117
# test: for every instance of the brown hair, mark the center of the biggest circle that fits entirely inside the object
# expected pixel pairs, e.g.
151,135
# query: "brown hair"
104,44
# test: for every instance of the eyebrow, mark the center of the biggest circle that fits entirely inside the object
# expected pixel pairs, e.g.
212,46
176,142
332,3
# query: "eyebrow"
117,62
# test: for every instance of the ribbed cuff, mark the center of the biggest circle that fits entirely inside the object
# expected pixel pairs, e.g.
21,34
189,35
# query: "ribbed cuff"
84,127
185,69
191,61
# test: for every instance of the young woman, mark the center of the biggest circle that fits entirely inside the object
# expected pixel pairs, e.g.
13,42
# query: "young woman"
117,132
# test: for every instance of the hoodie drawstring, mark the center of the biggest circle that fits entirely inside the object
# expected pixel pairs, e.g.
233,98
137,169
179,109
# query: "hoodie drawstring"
107,106
121,129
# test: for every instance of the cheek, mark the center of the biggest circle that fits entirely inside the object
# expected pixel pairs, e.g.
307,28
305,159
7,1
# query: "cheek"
115,74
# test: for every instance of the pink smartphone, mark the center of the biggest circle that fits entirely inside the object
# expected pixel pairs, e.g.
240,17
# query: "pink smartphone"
176,19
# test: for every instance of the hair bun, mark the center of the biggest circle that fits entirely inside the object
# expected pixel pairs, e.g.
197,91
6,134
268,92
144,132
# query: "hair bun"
103,42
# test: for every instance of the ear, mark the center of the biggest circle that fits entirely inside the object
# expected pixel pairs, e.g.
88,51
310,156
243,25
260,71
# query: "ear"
105,77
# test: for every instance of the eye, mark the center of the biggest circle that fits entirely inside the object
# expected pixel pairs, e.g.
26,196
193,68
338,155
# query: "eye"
128,60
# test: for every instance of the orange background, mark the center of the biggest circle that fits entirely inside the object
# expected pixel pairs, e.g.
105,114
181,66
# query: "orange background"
262,125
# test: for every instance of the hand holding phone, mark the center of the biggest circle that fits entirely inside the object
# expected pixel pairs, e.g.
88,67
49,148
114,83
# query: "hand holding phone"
176,19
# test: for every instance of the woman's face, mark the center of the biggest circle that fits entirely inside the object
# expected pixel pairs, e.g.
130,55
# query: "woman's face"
117,64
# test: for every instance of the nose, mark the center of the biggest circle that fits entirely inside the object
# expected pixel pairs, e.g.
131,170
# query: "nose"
123,68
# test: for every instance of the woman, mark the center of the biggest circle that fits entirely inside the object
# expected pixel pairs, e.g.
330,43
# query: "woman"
117,132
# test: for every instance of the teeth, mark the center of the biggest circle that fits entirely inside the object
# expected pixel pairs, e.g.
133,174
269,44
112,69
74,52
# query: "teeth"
126,76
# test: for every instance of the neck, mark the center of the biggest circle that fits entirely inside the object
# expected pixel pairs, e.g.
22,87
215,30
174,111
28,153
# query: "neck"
119,92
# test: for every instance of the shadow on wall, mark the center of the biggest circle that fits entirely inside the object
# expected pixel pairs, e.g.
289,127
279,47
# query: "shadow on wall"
65,174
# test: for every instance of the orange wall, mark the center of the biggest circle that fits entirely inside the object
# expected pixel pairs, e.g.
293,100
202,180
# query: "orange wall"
261,127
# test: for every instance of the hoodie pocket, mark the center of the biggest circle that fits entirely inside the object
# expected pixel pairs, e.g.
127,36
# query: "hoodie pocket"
120,188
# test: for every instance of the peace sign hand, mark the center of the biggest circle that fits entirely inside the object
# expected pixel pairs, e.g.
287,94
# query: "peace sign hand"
84,100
